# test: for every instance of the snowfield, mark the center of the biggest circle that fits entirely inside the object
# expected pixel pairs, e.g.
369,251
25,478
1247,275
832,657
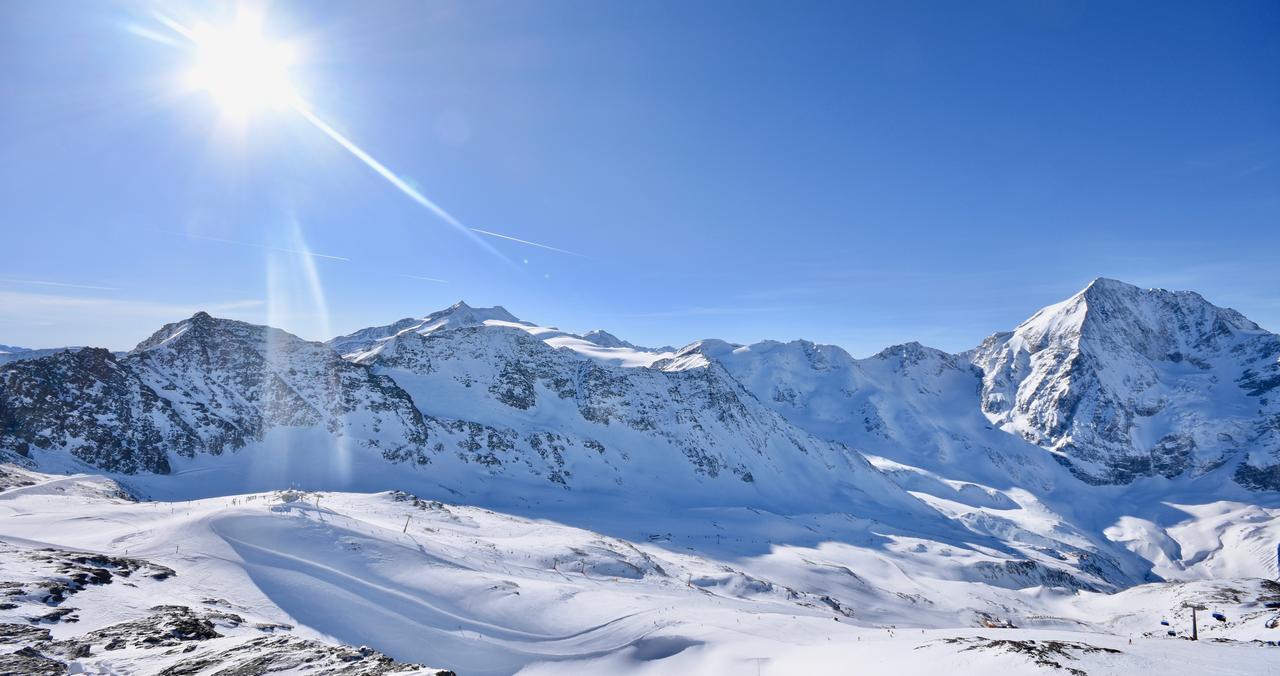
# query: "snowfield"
217,580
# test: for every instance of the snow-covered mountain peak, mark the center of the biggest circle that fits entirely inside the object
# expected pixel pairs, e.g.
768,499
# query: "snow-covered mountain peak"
214,341
1156,323
462,314
1124,382
365,344
696,355
604,339
198,328
802,355
912,352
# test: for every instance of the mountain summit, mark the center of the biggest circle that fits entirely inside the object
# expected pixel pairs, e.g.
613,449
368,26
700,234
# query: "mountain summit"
1121,382
457,315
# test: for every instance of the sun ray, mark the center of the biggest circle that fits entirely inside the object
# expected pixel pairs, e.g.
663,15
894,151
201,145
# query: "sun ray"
391,177
244,71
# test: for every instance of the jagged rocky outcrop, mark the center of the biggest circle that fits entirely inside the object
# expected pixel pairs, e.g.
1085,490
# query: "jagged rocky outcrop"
87,403
169,638
231,382
1121,382
202,385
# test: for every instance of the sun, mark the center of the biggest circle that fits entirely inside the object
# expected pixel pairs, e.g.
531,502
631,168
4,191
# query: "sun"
240,68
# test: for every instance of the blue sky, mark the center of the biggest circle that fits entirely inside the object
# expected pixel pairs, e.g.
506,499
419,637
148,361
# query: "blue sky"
855,173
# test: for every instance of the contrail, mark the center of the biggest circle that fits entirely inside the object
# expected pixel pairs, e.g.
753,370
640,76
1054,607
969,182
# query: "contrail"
426,279
305,111
525,241
269,248
409,190
68,285
391,177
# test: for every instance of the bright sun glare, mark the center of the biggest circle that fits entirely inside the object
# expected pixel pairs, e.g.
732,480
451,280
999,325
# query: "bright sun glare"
244,72
240,68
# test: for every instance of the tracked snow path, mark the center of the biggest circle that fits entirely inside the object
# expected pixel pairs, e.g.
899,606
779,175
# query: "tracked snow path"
284,560
483,592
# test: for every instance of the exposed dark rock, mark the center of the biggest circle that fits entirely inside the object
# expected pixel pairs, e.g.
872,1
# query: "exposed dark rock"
167,626
22,634
202,385
1042,653
270,654
30,662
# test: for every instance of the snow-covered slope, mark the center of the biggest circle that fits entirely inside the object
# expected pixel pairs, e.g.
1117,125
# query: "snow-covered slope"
292,581
605,339
698,436
917,413
1121,382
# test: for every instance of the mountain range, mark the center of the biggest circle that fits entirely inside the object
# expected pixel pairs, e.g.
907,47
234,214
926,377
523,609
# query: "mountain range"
489,494
1116,383
1115,397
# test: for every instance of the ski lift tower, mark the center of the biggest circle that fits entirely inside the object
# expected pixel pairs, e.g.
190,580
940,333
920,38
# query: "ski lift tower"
1195,634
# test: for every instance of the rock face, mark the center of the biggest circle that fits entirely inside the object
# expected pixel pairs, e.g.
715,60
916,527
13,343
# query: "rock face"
1121,382
87,403
166,639
202,385
231,382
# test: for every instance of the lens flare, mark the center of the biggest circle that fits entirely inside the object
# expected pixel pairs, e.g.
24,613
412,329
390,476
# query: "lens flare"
244,71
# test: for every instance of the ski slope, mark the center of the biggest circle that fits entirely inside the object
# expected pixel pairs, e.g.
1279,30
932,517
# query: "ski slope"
483,592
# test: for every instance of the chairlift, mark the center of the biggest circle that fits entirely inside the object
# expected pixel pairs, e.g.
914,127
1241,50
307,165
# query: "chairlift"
1164,622
1172,633
1220,617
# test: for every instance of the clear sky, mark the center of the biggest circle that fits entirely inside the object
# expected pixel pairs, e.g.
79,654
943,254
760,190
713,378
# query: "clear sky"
854,173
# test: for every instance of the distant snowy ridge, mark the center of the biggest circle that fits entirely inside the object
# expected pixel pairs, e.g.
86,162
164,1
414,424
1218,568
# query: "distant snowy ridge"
597,344
10,353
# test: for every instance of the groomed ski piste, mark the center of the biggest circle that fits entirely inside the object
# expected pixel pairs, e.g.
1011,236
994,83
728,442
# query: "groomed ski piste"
97,581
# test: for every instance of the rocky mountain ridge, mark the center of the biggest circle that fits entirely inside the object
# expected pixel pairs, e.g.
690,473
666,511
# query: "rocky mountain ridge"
1115,384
